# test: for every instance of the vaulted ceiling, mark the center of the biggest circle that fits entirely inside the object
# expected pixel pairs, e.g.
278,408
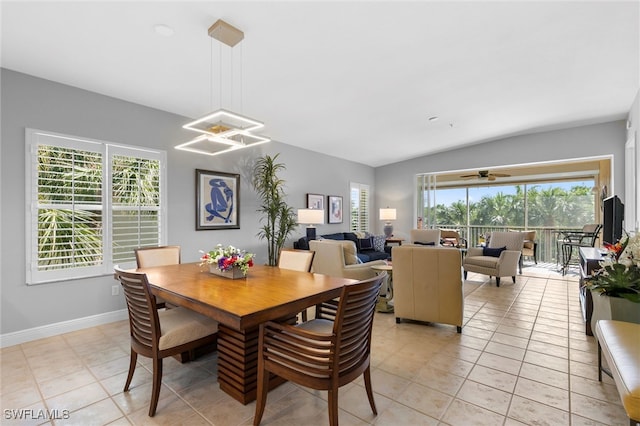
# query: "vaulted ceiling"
358,80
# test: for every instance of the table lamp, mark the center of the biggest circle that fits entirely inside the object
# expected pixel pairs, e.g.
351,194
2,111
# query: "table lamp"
388,215
310,217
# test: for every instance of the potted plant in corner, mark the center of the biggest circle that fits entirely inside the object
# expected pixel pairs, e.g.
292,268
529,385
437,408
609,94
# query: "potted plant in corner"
278,220
615,288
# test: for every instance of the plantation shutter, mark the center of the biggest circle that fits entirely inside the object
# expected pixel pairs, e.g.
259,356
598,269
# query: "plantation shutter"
64,192
135,204
359,207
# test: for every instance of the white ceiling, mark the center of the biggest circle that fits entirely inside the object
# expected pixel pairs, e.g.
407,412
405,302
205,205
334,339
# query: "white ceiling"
357,80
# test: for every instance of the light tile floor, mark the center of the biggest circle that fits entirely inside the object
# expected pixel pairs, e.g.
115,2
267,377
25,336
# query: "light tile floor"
522,359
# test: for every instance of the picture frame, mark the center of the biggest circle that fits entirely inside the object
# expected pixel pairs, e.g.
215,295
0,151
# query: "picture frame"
334,209
217,200
315,201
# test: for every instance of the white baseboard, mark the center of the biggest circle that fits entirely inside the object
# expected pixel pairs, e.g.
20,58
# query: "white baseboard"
17,337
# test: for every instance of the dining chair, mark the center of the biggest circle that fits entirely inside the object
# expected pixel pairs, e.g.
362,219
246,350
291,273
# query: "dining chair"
157,334
322,354
148,257
296,260
568,240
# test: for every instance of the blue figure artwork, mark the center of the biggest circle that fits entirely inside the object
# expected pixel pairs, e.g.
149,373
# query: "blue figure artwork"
221,204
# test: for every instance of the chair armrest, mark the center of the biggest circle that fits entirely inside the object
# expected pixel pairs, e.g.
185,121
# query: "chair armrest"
508,262
362,271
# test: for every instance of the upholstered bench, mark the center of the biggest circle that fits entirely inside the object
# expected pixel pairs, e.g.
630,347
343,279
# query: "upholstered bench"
619,342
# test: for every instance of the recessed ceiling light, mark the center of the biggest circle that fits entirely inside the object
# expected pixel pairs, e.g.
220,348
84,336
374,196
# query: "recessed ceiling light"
163,30
433,118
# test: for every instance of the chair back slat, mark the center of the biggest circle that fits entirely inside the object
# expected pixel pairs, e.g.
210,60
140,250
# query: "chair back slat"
143,316
353,324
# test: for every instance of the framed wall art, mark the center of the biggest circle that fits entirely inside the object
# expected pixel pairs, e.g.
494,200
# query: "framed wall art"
315,201
334,211
217,200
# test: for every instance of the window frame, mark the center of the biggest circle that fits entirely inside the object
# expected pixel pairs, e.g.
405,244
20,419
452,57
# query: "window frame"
33,139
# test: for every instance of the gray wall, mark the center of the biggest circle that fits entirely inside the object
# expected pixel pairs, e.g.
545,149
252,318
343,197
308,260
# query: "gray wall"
395,183
45,105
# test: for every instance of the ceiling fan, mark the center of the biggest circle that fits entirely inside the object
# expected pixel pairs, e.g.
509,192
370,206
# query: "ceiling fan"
484,174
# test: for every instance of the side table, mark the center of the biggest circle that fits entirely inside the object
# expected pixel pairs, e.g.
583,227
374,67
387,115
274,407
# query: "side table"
385,302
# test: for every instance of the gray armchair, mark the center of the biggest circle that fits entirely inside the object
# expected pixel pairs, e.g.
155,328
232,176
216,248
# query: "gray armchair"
500,259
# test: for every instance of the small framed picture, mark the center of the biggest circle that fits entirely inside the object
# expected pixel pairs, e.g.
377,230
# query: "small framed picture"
217,200
315,201
335,208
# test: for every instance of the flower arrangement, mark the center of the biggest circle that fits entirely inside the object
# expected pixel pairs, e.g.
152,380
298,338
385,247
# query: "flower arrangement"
620,273
226,258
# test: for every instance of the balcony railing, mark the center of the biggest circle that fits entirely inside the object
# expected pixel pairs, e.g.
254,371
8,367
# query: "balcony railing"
546,238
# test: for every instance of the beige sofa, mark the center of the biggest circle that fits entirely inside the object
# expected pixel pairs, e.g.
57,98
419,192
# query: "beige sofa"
427,284
339,258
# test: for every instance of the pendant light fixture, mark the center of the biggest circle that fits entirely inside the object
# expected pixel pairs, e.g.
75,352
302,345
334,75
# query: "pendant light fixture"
222,130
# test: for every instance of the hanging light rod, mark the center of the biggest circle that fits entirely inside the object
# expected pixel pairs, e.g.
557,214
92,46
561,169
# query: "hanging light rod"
223,131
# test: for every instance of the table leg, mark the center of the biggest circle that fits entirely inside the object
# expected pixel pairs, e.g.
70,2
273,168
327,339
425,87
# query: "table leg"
238,363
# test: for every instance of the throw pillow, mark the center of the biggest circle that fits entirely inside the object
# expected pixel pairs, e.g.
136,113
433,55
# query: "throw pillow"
494,252
366,243
378,242
431,243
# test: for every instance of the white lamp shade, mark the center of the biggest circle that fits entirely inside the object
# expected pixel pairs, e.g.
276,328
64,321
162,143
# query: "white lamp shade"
387,214
310,216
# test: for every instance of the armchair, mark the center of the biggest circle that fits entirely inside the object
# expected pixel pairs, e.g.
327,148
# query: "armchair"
425,236
339,259
428,284
500,259
451,237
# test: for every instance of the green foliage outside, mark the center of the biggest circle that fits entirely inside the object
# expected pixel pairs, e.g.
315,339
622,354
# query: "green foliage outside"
546,208
70,216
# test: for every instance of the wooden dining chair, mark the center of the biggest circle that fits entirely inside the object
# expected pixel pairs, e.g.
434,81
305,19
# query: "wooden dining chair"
296,260
322,354
148,257
157,334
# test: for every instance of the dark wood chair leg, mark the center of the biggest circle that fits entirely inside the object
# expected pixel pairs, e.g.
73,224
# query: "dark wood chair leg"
497,281
367,385
465,274
514,279
459,329
157,383
261,394
132,369
333,406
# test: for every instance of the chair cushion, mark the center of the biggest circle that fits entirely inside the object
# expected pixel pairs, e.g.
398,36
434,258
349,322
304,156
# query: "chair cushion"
321,326
495,252
180,325
483,261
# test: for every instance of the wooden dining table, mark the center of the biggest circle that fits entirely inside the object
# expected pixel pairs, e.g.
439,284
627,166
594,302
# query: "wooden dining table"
240,306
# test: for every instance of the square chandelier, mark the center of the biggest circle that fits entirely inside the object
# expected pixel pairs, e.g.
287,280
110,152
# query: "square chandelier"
223,131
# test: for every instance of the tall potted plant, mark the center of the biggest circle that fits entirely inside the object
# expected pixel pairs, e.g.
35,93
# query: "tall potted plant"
615,288
278,220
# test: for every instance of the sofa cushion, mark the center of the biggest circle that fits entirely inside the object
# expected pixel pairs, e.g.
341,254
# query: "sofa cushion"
350,255
379,242
352,237
365,243
494,252
374,255
336,236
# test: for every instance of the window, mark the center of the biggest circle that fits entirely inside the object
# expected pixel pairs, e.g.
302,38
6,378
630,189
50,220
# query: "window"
91,203
359,207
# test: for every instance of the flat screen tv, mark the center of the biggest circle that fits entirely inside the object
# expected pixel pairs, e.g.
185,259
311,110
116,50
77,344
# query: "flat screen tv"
613,215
